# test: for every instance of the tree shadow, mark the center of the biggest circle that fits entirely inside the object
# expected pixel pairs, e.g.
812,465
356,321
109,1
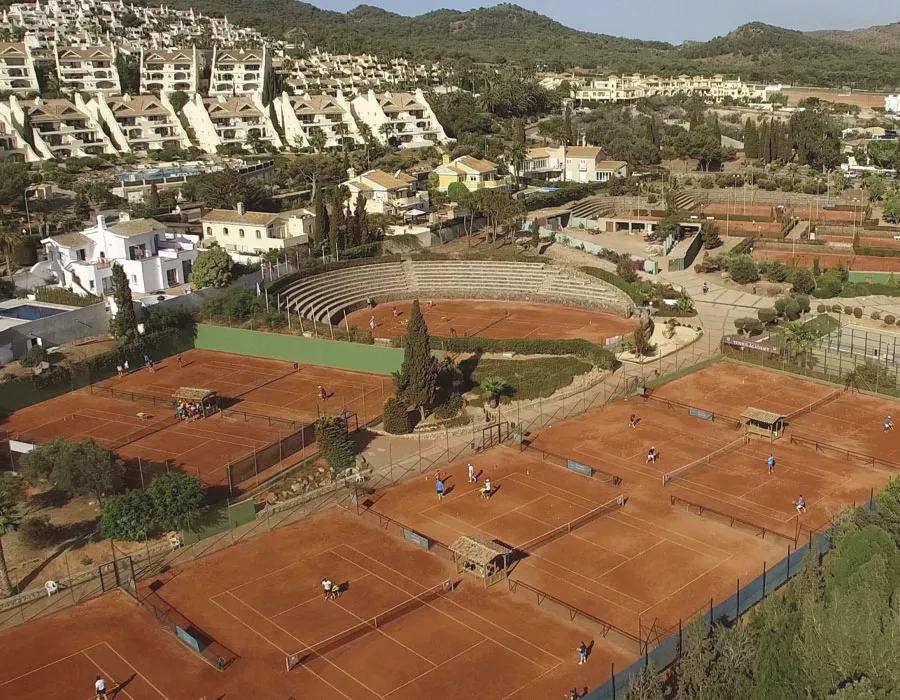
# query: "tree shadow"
75,535
52,498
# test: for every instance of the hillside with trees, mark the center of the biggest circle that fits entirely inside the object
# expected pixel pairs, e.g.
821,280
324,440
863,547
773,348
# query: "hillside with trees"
510,34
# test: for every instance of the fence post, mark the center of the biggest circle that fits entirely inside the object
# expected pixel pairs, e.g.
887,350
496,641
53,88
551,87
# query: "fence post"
737,604
764,581
612,677
230,484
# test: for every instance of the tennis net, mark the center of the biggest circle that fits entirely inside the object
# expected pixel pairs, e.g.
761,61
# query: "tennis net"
730,447
721,417
816,404
363,628
571,526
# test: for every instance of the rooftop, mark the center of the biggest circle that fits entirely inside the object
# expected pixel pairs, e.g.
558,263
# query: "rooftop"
232,216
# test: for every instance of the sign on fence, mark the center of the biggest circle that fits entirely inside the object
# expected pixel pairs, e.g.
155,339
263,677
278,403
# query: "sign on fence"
416,539
739,342
580,468
700,413
188,639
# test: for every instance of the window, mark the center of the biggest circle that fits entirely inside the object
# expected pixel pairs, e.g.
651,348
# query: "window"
241,232
258,233
209,230
80,254
91,285
134,279
225,231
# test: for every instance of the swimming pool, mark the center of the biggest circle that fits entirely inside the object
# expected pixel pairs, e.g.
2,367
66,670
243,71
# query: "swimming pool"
30,312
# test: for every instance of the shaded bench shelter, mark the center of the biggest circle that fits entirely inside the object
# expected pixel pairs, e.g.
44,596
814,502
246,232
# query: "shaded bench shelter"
481,557
206,399
763,423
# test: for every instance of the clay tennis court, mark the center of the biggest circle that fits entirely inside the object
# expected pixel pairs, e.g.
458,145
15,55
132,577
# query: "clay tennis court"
861,99
263,600
879,242
867,263
496,319
265,402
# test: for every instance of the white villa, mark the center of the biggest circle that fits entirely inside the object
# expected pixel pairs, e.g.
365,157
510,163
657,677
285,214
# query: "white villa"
153,258
88,69
17,71
572,164
401,117
239,72
384,193
301,114
221,121
164,71
139,124
243,233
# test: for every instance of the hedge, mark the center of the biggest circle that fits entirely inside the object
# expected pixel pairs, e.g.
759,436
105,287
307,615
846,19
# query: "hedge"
64,297
596,355
877,252
633,290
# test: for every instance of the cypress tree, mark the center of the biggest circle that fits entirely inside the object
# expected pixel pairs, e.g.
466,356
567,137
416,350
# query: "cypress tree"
336,225
417,379
320,226
362,219
762,140
751,139
786,146
334,443
123,326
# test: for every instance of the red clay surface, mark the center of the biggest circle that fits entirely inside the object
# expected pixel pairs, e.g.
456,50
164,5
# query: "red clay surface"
880,242
641,567
849,261
489,319
862,99
262,599
264,388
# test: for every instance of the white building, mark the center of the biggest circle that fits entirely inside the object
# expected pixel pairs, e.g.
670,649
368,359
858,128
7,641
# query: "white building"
140,124
152,257
626,88
59,128
222,121
88,69
384,193
892,104
243,233
400,117
301,115
239,72
164,71
582,164
17,73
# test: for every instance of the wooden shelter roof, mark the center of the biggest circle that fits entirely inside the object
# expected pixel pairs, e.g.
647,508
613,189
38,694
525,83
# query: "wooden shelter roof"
762,416
187,393
478,550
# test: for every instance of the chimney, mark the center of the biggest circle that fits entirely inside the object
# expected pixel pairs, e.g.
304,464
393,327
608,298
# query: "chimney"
101,221
351,173
445,158
240,208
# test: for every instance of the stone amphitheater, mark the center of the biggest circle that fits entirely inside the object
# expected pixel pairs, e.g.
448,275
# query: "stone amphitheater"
325,296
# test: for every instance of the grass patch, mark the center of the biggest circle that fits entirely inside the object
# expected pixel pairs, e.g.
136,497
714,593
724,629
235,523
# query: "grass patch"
530,379
864,289
823,324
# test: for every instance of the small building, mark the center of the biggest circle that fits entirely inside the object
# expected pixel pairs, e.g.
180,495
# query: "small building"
205,399
766,424
252,233
474,173
481,557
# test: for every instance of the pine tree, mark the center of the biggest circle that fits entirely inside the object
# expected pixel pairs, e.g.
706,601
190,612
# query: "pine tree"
417,379
751,139
693,671
645,685
362,219
320,225
152,202
123,326
710,235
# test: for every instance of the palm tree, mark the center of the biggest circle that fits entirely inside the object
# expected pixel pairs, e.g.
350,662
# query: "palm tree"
8,239
9,522
493,388
516,153
387,130
800,338
317,139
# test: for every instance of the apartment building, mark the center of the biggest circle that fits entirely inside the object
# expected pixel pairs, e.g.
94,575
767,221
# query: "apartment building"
244,233
572,164
59,128
626,88
394,195
474,173
164,71
237,72
221,121
140,124
302,115
89,69
401,118
17,71
153,257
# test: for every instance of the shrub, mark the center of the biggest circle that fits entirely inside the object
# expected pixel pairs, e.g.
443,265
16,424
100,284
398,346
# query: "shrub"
12,488
857,312
779,305
128,517
776,271
828,286
37,532
792,310
33,357
395,415
803,302
652,198
876,316
767,315
596,355
748,325
848,310
706,182
176,498
334,443
835,308
627,269
743,270
451,408
802,280
234,302
889,320
821,308
66,297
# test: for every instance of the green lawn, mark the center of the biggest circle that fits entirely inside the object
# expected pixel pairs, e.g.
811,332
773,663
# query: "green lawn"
530,379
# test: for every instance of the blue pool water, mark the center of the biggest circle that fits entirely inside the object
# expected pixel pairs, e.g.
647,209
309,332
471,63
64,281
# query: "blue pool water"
29,312
159,174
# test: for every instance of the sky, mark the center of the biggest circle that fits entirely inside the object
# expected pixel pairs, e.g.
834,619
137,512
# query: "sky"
670,20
